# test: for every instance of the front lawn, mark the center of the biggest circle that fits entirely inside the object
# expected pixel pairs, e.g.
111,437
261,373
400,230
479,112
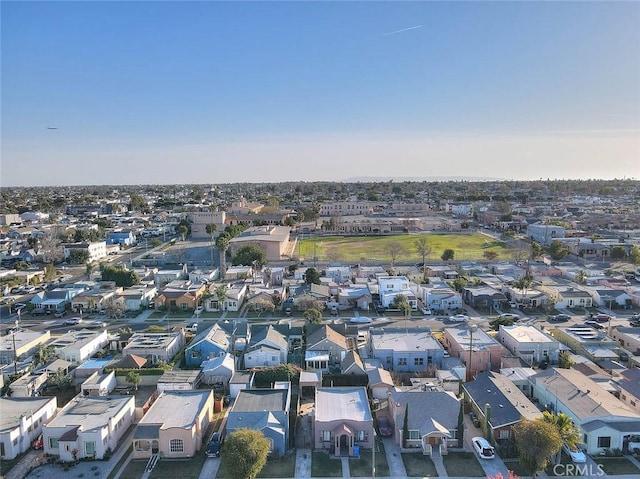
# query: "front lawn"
461,464
323,466
616,465
361,467
280,467
182,468
418,465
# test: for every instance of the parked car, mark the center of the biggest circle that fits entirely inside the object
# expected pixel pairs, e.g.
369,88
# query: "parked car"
603,318
213,450
483,448
574,453
361,320
426,311
635,323
61,314
459,318
559,318
192,328
513,316
72,321
474,419
38,312
384,427
198,310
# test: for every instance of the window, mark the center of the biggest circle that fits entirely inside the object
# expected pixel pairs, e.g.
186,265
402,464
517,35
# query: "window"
402,361
418,361
176,445
172,303
362,436
326,436
90,448
604,441
504,434
53,442
389,359
414,434
184,305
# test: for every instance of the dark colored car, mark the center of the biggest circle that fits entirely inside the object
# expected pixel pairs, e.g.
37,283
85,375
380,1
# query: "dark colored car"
214,445
601,317
39,312
594,324
474,419
560,318
384,427
61,314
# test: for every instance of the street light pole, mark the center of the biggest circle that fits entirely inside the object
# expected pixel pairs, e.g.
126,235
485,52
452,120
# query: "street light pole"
373,454
15,353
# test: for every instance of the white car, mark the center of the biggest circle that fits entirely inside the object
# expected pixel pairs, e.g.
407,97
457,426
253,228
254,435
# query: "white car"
361,320
426,311
459,318
574,453
483,448
192,328
71,321
510,316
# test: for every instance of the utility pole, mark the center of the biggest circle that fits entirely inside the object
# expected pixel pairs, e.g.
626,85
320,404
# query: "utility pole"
15,353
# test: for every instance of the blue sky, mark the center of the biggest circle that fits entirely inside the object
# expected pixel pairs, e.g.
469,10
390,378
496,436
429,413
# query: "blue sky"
215,92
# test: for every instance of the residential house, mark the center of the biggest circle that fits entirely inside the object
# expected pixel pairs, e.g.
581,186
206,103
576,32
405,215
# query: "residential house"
628,388
588,342
210,343
483,297
55,300
432,420
165,276
88,427
343,420
338,274
352,364
530,343
611,298
21,423
628,338
21,344
179,380
573,298
78,346
357,297
96,249
175,426
234,297
325,348
519,376
28,385
155,346
265,410
137,297
499,405
441,298
544,234
443,271
380,382
122,237
180,294
476,349
238,273
218,370
94,299
240,381
267,347
405,349
605,421
391,286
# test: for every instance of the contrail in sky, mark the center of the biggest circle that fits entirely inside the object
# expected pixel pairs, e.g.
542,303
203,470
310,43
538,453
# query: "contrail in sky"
403,30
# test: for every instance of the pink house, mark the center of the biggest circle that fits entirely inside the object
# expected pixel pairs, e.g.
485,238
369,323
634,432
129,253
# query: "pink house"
476,349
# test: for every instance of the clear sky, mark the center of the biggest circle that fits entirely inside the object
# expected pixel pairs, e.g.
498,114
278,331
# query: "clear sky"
218,92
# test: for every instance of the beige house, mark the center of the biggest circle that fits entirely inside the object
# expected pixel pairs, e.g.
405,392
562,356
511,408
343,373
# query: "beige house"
155,346
343,420
175,425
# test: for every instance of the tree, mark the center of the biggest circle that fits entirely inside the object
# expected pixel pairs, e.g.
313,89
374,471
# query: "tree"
221,295
569,432
115,309
424,250
244,453
581,277
50,247
313,315
311,276
556,250
250,255
448,254
489,255
43,355
405,426
634,254
222,244
523,284
564,360
496,323
395,250
401,303
121,276
182,231
133,377
262,305
537,441
536,249
78,256
618,252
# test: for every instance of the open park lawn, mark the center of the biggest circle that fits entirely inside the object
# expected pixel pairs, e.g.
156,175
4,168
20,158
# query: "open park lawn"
418,465
461,464
376,248
361,467
323,466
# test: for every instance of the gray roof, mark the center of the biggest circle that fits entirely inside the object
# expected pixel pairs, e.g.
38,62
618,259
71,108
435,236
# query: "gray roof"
630,381
620,426
151,431
342,403
177,408
252,400
254,420
92,412
508,404
425,407
14,408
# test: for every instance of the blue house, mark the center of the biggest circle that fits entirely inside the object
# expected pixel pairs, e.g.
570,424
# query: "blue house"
209,344
265,410
124,237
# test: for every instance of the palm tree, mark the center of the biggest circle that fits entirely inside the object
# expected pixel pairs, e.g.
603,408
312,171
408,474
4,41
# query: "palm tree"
523,284
581,277
222,243
569,432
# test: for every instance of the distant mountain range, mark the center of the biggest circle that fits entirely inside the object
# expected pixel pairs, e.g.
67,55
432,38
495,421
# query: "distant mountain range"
374,179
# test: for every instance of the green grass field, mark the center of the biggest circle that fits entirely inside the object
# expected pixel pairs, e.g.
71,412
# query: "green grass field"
376,248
